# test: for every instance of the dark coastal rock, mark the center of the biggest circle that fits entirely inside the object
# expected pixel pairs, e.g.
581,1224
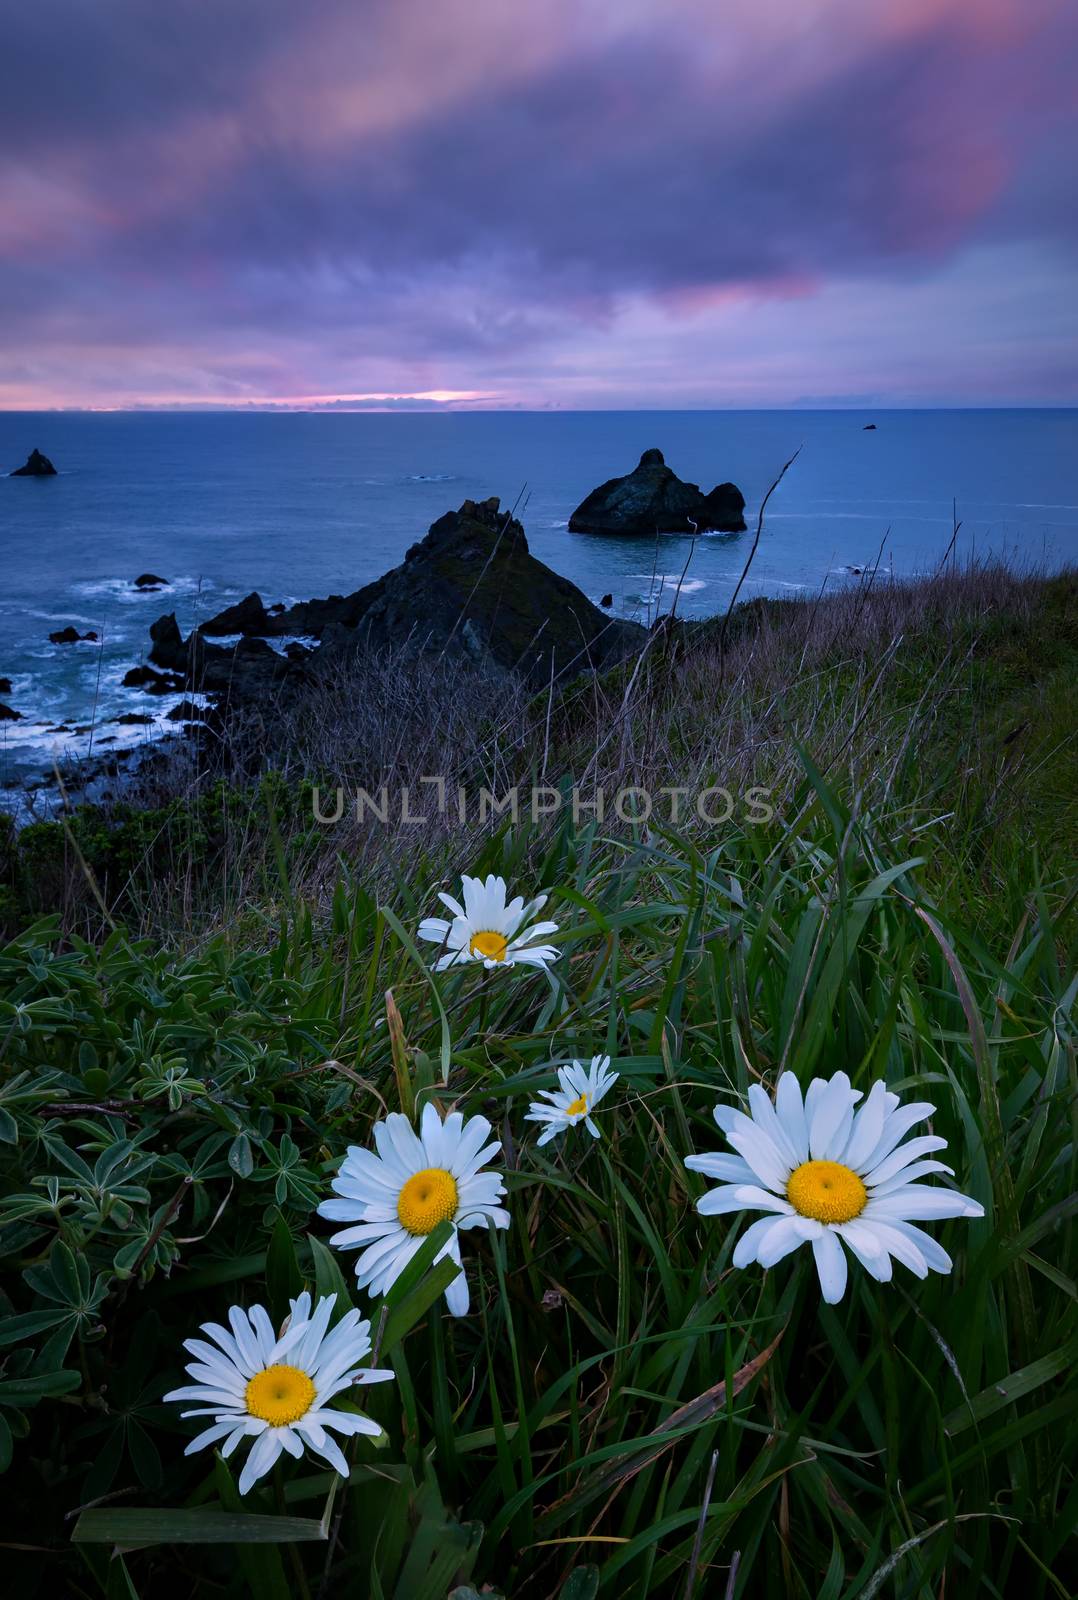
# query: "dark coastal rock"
72,636
133,719
168,647
147,580
869,427
653,499
187,711
251,617
35,466
5,685
152,681
248,616
8,715
607,601
246,670
470,589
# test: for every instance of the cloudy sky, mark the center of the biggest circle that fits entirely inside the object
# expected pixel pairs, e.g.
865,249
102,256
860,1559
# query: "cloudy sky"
575,203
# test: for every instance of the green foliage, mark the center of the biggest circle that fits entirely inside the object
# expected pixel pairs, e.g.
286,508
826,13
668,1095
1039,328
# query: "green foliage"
125,846
622,1414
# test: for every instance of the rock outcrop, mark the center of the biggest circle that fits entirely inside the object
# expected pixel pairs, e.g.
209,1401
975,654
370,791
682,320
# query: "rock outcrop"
471,590
152,681
653,499
148,580
71,635
35,466
8,715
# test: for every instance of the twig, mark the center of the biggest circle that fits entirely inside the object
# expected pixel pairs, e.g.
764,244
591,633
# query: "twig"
166,1217
76,1108
697,1544
748,563
685,568
954,535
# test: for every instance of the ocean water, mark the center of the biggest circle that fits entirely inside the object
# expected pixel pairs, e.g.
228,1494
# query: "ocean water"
296,505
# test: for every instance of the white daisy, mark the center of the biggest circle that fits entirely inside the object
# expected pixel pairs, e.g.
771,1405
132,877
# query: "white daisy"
581,1090
397,1197
487,929
276,1391
828,1173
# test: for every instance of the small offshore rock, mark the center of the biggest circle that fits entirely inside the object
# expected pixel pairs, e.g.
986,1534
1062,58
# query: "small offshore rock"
72,636
607,601
149,580
152,681
7,714
132,719
35,466
5,685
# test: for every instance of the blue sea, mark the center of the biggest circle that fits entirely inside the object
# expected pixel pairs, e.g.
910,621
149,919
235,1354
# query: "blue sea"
296,505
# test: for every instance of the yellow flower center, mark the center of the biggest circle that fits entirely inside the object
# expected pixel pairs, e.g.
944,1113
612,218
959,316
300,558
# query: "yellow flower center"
826,1191
491,945
280,1395
579,1104
429,1197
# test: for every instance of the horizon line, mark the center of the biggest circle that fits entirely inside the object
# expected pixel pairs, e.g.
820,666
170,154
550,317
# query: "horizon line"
273,408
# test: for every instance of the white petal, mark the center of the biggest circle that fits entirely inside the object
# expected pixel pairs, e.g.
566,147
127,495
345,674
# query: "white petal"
403,1138
456,1295
916,1203
331,1451
829,1115
264,1453
785,1235
717,1164
896,1124
726,1116
762,1155
831,1266
209,1436
904,1156
466,1157
754,1198
716,1202
363,1173
930,1252
867,1127
430,1132
920,1169
790,1110
868,1248
749,1242
765,1118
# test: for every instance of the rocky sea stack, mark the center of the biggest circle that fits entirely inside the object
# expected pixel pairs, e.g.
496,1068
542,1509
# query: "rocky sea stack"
35,466
653,499
470,590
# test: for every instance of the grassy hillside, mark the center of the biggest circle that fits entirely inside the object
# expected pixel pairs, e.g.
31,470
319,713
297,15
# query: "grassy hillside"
624,1412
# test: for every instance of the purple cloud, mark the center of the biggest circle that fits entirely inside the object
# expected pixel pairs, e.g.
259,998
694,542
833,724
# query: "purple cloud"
533,203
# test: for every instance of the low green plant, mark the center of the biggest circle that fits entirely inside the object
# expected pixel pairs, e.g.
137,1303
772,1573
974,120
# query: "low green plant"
623,1413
